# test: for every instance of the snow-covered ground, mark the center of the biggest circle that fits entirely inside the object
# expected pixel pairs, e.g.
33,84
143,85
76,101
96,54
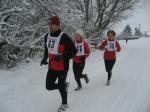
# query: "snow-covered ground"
22,89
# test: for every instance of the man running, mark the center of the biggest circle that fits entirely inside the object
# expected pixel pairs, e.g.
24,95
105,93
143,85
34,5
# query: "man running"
59,48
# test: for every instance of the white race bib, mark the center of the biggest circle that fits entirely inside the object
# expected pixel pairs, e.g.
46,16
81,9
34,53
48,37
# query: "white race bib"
53,43
80,49
111,45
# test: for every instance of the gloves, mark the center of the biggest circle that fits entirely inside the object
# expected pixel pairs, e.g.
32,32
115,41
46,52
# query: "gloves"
58,58
83,58
43,62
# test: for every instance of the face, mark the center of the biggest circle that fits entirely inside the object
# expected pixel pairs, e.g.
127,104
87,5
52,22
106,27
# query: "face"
110,36
53,27
78,37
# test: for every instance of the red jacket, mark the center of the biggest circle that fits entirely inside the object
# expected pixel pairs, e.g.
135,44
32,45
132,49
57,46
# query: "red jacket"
77,59
55,65
110,55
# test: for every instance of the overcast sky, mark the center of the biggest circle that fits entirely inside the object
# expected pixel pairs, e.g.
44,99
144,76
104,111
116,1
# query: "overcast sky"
139,16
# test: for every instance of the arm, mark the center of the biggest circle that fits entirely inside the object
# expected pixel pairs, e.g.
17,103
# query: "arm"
102,46
70,49
45,55
118,46
87,49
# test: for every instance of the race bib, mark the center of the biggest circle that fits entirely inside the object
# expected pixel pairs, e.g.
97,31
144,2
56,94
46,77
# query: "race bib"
80,49
53,43
111,45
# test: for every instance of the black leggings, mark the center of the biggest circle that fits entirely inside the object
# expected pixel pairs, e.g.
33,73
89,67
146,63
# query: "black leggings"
109,66
51,78
78,69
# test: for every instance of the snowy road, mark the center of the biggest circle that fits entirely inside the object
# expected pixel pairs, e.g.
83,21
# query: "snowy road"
22,89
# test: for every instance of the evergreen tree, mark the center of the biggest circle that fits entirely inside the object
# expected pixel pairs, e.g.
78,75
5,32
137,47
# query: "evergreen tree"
128,30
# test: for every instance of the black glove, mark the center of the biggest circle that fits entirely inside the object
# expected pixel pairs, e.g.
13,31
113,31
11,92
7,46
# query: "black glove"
44,62
83,58
58,58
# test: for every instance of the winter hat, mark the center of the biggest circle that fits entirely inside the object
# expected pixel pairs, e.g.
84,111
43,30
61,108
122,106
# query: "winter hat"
80,32
54,20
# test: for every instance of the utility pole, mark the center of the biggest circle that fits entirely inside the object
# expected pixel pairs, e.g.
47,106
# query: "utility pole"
140,29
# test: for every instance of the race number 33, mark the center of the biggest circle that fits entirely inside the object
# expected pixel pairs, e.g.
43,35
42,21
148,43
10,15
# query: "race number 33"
51,43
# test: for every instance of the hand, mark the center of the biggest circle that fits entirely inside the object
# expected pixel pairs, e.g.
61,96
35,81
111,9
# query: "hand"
43,62
99,48
102,49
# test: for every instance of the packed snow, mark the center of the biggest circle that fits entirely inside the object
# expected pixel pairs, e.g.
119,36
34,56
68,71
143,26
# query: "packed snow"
22,89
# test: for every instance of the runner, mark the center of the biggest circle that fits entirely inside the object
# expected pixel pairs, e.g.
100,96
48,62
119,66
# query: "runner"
59,48
110,45
83,52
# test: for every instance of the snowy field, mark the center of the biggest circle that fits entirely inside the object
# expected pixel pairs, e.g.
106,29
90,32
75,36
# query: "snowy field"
22,89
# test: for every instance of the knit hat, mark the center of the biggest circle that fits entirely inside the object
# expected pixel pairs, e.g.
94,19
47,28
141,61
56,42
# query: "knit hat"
80,32
54,20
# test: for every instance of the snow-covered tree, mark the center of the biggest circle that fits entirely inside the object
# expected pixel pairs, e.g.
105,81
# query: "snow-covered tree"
23,23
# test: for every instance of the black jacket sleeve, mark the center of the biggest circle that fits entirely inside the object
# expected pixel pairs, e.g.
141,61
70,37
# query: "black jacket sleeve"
70,49
45,56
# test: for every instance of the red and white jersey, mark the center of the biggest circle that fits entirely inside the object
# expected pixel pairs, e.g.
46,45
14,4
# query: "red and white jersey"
53,43
80,48
83,49
110,46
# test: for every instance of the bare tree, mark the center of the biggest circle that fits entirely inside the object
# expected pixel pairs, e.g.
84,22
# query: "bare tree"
105,13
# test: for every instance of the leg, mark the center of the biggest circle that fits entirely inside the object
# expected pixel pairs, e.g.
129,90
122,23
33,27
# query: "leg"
62,86
50,80
81,70
109,66
65,72
112,62
77,74
83,75
109,75
108,70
